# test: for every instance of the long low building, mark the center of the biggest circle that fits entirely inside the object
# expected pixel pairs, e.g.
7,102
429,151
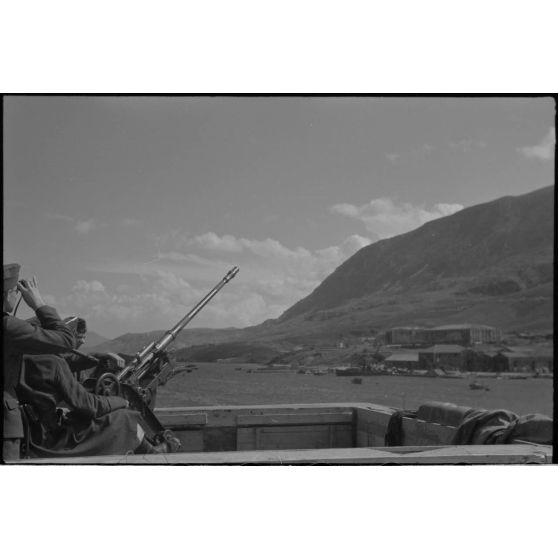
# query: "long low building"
481,358
403,360
461,334
446,356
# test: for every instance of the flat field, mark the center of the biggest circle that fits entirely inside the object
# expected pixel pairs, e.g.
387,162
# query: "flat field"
222,384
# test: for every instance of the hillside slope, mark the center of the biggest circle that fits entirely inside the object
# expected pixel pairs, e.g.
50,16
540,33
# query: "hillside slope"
495,248
491,263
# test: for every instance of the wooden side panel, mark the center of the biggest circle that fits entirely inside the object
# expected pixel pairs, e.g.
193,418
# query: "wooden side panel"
371,427
294,437
191,440
345,417
220,439
247,439
505,454
421,433
362,439
219,416
183,420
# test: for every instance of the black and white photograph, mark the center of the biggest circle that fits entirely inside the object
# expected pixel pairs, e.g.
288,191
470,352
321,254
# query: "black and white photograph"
278,279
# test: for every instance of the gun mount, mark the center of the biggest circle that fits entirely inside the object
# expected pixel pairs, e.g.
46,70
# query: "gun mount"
151,367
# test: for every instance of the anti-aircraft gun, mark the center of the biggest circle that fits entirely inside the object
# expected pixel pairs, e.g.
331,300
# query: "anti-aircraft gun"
151,367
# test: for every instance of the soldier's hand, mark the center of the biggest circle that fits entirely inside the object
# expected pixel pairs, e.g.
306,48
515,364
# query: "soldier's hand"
30,293
115,360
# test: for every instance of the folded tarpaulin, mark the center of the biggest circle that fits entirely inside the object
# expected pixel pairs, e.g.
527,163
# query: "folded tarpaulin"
502,427
534,428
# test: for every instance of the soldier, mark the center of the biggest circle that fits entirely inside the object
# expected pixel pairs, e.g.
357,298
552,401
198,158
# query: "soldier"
79,364
50,336
64,419
42,381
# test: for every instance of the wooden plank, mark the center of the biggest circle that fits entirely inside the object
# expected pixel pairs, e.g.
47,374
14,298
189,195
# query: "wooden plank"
365,439
286,407
227,416
222,438
342,436
362,439
294,437
177,421
374,424
295,418
497,454
191,440
246,439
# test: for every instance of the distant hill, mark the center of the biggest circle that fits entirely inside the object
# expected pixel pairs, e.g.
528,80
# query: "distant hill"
238,352
130,343
92,340
496,248
491,264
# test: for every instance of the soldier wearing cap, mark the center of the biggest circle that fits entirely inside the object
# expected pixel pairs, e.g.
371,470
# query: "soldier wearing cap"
80,364
35,373
50,336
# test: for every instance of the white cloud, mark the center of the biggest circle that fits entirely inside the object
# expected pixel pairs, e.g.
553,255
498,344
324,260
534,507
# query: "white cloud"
272,278
270,248
543,150
84,227
60,217
336,255
164,296
182,244
385,218
393,157
81,227
83,286
212,241
347,209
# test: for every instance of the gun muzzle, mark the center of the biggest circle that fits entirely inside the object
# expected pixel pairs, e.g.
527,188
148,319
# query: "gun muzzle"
231,274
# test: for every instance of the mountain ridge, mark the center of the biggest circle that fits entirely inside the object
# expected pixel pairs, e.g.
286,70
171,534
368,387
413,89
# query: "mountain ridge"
489,263
445,247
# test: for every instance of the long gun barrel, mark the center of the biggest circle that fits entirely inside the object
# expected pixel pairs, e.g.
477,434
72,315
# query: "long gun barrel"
139,366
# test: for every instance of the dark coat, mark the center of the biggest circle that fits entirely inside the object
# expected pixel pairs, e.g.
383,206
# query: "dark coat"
95,424
81,367
22,337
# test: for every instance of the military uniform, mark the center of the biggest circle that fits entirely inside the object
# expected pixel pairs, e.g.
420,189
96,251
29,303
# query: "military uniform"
81,366
95,424
21,337
35,376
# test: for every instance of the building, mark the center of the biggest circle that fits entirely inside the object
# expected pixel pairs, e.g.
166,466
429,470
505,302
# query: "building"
460,334
409,361
404,336
484,358
463,334
442,356
525,359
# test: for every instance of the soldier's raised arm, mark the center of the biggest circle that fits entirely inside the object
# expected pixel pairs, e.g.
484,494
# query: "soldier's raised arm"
50,335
